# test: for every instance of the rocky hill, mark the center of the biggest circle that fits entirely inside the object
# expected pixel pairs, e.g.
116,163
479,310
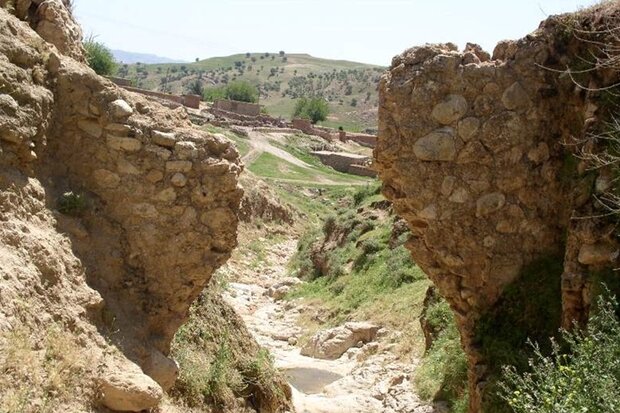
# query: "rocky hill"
349,87
502,167
116,211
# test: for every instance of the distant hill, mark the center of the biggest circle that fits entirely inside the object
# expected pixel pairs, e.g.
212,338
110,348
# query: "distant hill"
131,58
349,87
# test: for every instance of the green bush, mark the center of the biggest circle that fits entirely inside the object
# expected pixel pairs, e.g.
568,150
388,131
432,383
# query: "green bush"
583,377
195,88
315,109
71,204
366,192
401,268
99,57
212,94
242,91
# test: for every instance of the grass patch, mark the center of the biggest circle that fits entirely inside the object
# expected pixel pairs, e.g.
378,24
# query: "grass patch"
220,363
44,373
354,273
268,165
442,375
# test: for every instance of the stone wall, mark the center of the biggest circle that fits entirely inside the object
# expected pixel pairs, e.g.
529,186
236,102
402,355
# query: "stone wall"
362,170
240,108
370,141
149,204
472,152
309,129
330,134
346,162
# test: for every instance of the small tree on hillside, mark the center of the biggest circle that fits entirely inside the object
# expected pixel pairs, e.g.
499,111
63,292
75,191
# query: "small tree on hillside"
214,93
99,57
195,88
315,109
242,91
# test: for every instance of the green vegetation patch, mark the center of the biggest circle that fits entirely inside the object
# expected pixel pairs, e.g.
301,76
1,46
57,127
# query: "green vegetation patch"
581,376
268,165
357,269
220,362
442,375
99,57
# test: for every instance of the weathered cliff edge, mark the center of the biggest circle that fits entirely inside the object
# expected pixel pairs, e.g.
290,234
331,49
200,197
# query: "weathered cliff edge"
156,203
476,153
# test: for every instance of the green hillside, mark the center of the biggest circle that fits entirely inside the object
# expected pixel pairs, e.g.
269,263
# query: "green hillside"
349,87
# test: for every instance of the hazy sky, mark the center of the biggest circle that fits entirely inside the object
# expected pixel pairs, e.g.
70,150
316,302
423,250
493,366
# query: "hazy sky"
370,31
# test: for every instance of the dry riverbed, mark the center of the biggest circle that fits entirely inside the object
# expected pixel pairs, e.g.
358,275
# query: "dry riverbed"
369,378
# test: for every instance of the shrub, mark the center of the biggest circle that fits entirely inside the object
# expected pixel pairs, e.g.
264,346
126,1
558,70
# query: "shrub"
329,225
365,192
71,204
242,91
99,57
401,268
195,88
586,378
315,109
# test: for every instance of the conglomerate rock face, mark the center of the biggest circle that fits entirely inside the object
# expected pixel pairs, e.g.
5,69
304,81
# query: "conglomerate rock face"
472,152
157,202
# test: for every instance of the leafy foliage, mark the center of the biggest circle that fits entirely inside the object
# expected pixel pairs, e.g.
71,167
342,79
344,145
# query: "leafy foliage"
71,204
242,91
353,260
99,57
315,109
239,90
195,88
583,377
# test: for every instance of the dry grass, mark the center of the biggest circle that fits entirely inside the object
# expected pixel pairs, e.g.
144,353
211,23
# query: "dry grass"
45,374
221,367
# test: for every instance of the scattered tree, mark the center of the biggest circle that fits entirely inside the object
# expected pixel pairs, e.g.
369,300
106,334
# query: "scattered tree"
315,109
195,88
242,91
214,93
99,57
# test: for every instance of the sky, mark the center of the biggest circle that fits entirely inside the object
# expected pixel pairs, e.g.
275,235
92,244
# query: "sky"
368,31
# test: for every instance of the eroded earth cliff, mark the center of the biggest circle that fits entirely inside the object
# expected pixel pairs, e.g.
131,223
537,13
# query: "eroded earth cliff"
115,214
486,158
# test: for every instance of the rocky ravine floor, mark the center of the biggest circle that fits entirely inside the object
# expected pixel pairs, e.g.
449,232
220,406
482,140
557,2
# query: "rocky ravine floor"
367,379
